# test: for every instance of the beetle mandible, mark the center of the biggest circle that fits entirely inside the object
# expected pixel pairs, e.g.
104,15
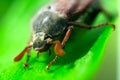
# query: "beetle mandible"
52,21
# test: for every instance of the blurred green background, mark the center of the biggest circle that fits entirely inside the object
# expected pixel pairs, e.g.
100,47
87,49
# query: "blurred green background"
85,48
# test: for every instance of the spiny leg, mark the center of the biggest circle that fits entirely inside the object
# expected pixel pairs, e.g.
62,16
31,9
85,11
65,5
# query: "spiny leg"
58,47
58,51
52,62
67,35
91,26
28,57
19,56
26,49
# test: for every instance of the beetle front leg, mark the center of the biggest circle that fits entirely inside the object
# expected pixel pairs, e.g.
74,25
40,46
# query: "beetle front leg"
58,51
26,49
58,47
28,57
19,56
67,35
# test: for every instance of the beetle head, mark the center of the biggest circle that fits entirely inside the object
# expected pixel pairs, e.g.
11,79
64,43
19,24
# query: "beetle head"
41,41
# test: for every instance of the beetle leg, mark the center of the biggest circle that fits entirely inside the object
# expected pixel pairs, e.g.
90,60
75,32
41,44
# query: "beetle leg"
28,57
58,47
19,57
67,35
52,62
58,51
26,49
91,26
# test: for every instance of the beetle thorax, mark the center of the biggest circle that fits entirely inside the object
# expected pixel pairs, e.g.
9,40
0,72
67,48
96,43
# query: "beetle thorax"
49,23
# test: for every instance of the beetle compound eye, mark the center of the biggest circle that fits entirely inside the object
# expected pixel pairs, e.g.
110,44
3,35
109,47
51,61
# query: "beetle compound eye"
49,7
47,36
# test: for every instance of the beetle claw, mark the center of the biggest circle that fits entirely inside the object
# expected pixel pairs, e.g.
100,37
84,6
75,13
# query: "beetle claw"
26,65
47,67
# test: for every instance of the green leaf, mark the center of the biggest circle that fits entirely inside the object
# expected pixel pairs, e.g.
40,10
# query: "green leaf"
84,50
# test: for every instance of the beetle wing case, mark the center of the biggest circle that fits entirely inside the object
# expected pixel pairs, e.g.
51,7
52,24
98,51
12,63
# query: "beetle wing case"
72,7
66,8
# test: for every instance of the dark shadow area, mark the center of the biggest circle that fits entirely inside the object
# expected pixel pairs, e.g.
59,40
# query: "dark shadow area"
78,45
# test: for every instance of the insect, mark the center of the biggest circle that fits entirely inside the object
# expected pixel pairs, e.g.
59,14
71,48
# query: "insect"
54,20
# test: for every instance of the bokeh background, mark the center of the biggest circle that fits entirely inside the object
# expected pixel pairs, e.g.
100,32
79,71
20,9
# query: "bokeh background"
97,54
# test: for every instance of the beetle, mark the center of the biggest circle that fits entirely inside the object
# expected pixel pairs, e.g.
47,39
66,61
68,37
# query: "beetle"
55,19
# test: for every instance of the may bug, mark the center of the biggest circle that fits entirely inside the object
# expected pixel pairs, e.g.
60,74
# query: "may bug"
54,20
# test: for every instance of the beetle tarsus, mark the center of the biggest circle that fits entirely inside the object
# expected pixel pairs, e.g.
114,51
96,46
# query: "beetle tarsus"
52,62
25,65
28,57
